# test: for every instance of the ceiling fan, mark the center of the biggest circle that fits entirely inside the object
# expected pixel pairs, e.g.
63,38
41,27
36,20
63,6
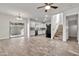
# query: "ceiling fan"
47,6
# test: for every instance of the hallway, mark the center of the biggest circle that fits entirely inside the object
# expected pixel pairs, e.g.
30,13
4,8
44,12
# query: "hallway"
38,46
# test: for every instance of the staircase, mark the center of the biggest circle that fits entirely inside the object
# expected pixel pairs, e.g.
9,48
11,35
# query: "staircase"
59,32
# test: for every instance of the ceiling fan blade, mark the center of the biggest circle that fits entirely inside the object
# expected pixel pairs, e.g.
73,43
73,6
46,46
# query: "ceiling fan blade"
50,3
40,7
55,7
45,10
46,3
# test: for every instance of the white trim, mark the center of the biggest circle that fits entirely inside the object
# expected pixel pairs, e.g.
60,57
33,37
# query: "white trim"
71,14
78,29
4,38
64,28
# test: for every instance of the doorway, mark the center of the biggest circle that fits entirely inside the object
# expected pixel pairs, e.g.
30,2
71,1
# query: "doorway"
72,27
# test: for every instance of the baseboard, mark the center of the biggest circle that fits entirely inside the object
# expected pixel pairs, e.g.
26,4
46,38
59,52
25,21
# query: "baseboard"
4,38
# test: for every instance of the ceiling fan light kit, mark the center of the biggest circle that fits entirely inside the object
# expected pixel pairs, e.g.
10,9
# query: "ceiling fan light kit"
47,7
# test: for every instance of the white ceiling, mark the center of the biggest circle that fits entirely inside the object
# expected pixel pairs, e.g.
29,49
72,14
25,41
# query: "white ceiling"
30,9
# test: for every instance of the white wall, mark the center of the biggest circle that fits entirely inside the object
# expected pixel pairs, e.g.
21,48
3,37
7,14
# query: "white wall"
4,26
61,18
